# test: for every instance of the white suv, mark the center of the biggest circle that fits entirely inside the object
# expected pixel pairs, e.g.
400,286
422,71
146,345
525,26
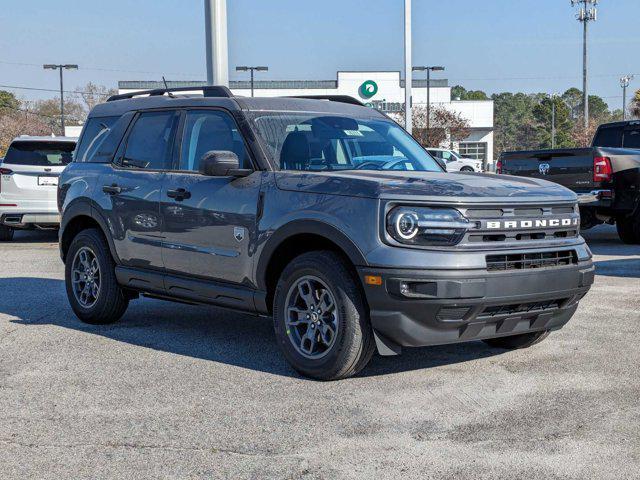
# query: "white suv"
29,182
454,161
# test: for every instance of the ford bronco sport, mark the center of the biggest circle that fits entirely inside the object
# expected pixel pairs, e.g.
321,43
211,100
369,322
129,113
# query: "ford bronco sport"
322,213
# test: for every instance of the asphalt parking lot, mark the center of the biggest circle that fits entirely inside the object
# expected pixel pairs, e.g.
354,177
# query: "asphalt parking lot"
175,391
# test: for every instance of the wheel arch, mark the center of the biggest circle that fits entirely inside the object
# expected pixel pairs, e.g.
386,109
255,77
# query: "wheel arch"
79,216
296,238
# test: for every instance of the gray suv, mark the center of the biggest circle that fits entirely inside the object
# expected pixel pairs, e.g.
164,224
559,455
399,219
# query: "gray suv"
319,212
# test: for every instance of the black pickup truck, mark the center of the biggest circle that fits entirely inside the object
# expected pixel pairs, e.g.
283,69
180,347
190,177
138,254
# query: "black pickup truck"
605,176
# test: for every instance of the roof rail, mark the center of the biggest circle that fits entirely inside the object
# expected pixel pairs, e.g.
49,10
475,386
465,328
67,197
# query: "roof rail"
207,91
332,98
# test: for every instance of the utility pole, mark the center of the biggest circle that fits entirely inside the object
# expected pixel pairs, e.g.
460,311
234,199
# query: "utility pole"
587,12
624,83
428,70
408,78
60,67
215,21
251,69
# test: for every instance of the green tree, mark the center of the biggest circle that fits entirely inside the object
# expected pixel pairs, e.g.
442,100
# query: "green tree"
514,123
459,92
635,105
8,100
543,114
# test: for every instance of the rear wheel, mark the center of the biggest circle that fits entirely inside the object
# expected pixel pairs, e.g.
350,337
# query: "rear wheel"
90,278
629,228
320,318
6,233
513,342
467,169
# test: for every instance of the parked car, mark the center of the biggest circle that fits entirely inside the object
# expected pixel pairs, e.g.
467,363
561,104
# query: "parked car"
321,213
29,182
454,161
605,176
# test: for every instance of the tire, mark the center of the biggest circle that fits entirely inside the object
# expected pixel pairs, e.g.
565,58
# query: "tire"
351,346
6,233
110,302
467,169
629,228
514,342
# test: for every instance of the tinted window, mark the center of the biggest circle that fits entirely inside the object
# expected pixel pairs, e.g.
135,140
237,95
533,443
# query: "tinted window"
608,137
40,153
149,143
632,138
94,133
311,141
205,131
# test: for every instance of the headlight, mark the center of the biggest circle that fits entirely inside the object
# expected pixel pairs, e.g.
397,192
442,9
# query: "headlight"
425,226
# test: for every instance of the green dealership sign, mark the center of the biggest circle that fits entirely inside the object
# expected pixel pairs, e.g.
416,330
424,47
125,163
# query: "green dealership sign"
368,89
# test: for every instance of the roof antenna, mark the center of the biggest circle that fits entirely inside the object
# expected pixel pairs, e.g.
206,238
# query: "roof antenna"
166,87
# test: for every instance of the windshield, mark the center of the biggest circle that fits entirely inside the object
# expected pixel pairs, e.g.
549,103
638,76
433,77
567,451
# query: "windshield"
319,142
40,153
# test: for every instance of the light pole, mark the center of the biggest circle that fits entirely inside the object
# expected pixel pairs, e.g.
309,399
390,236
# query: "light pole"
586,13
408,79
216,42
428,70
624,83
60,67
251,69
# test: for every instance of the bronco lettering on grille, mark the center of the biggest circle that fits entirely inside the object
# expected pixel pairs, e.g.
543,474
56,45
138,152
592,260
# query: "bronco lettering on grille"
544,223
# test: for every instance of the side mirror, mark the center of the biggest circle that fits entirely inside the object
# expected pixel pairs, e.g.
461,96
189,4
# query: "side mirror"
222,163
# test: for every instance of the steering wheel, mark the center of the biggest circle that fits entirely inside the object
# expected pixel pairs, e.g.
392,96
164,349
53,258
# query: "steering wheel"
376,166
393,163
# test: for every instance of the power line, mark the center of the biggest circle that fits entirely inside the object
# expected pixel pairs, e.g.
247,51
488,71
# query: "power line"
103,69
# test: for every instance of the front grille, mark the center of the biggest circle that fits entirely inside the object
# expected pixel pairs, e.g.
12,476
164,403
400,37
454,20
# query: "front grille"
519,225
521,308
526,261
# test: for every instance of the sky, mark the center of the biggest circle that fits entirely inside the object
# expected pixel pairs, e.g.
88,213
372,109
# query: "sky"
492,45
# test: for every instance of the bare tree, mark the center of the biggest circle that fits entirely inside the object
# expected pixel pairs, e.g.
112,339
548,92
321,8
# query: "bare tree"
635,105
445,126
92,94
16,122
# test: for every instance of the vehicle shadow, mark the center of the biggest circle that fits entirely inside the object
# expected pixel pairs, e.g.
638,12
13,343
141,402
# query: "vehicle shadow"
625,268
202,332
603,240
35,236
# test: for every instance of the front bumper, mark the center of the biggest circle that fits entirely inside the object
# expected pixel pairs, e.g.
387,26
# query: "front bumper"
420,307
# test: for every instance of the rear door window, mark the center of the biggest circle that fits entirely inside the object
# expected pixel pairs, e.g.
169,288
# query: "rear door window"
150,142
40,153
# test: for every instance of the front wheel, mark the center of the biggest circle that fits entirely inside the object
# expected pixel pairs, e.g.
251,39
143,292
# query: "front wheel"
514,342
90,279
6,233
320,318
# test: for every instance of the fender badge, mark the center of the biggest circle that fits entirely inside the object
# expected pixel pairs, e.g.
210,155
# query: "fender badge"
238,233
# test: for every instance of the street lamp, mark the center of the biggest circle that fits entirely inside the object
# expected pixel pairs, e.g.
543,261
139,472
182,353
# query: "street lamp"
60,67
428,70
251,69
624,83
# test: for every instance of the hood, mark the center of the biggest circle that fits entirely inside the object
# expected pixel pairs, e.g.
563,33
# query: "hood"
440,187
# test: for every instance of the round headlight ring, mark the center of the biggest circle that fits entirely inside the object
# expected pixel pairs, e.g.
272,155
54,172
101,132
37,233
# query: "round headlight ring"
406,225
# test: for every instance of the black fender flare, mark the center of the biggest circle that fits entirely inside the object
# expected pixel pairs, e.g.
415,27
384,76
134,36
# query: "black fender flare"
86,208
313,227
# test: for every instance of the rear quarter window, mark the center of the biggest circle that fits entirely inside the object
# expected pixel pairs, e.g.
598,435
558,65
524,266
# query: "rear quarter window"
632,138
40,153
93,134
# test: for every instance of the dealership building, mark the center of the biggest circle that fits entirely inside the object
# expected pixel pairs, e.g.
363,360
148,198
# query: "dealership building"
381,90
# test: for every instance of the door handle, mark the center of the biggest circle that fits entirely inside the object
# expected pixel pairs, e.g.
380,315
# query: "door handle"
112,189
178,194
